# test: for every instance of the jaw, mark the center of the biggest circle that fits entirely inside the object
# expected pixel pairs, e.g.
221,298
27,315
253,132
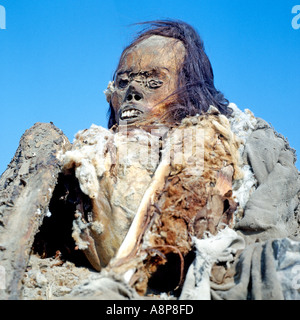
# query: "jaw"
135,114
130,114
140,115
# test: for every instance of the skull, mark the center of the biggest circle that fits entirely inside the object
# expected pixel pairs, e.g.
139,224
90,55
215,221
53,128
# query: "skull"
146,80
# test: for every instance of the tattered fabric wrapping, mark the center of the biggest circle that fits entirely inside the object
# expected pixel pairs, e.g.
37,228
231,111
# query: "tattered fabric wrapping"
219,248
268,269
264,271
271,211
262,253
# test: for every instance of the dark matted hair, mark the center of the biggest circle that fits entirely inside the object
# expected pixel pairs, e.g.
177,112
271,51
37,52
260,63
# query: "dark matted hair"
196,90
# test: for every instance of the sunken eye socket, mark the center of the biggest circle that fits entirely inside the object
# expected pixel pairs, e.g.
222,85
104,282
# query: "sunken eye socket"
153,84
123,83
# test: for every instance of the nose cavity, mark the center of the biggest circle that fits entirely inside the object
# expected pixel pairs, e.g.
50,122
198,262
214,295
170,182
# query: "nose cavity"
134,96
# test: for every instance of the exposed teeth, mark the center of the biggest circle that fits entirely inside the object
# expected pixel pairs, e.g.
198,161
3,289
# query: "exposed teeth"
130,113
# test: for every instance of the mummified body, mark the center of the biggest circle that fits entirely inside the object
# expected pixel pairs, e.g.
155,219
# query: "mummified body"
163,173
184,193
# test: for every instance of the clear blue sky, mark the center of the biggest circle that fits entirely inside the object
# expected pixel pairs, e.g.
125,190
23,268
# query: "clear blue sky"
57,56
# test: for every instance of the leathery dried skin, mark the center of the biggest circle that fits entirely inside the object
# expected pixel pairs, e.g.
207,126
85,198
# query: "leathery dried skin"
113,171
189,203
